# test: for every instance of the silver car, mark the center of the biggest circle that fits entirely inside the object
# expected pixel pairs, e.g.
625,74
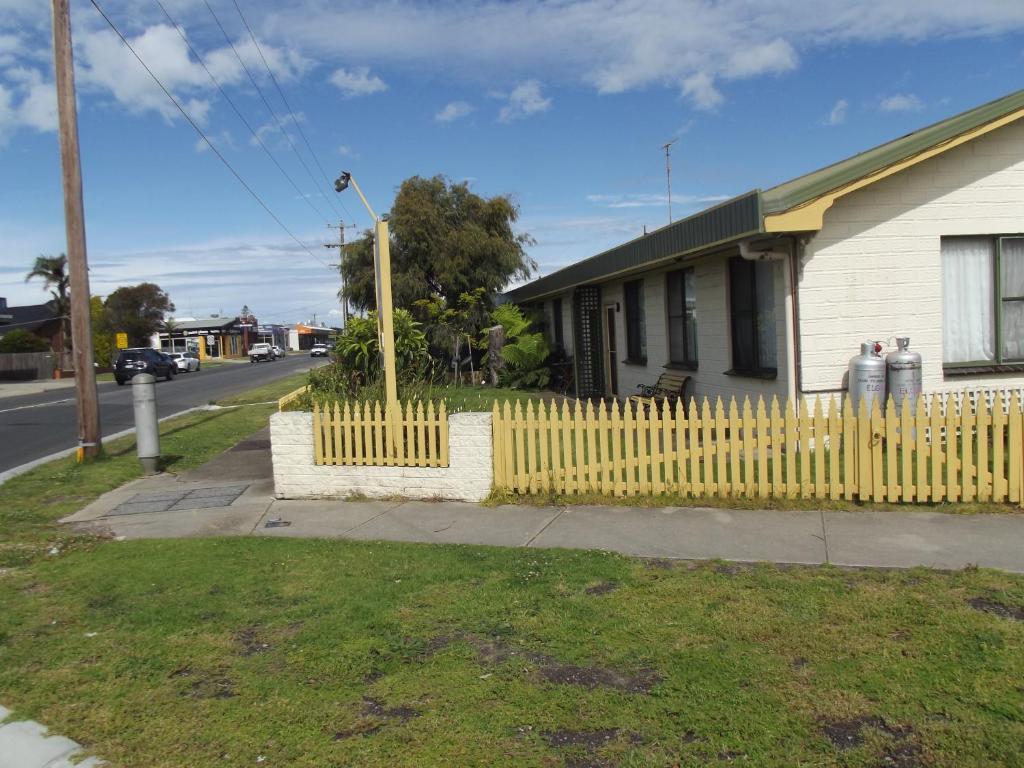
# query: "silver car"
186,361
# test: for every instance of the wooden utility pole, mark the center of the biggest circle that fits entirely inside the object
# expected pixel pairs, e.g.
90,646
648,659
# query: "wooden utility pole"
340,245
74,224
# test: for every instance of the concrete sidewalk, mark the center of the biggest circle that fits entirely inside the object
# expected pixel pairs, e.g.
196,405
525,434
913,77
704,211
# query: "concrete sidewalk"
28,744
233,496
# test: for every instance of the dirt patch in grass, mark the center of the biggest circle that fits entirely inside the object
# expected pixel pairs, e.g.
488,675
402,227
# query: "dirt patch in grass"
376,715
599,677
849,734
493,651
660,563
211,688
250,640
996,608
906,755
589,740
376,708
602,588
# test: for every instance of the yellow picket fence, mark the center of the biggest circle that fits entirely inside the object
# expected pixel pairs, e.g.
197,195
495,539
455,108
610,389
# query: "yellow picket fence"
933,450
364,435
291,397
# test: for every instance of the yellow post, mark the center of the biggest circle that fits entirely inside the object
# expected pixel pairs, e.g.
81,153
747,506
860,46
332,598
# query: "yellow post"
385,324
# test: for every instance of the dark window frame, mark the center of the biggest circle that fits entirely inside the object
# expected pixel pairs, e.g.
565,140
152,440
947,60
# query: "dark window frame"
556,317
999,363
690,359
743,319
635,325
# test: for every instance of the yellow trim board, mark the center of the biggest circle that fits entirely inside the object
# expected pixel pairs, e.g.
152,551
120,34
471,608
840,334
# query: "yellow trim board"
810,215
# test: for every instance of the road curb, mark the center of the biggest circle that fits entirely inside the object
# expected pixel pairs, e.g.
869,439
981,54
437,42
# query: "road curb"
23,468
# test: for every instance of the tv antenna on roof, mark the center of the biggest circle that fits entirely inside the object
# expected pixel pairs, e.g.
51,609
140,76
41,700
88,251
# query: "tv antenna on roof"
668,173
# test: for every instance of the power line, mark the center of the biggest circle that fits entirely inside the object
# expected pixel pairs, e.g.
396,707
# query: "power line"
203,135
241,117
288,106
270,109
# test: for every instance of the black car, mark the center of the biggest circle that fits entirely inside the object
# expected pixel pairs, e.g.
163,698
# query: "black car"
143,360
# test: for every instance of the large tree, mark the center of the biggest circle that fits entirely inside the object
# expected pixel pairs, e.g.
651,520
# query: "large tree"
53,271
137,310
445,241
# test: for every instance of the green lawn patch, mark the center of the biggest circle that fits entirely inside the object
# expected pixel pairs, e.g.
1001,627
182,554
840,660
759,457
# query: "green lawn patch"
268,392
320,653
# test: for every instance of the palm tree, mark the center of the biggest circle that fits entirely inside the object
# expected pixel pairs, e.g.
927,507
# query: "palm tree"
53,271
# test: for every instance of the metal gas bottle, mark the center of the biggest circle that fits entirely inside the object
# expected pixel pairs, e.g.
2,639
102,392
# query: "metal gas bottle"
867,378
903,374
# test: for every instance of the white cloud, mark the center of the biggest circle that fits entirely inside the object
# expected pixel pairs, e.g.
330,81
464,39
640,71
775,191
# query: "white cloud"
691,45
901,102
776,57
10,47
345,150
357,82
28,101
105,64
700,88
838,114
454,110
526,99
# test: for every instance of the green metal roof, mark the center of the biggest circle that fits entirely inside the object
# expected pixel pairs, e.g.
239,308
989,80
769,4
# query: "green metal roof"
743,216
724,222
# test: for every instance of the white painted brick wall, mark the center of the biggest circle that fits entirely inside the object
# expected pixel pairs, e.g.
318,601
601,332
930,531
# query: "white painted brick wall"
714,339
874,270
469,476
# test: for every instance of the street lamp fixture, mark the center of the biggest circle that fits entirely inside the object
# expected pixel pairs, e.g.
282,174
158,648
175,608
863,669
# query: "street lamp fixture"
382,285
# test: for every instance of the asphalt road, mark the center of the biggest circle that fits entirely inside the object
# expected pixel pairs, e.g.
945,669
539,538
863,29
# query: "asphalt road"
33,426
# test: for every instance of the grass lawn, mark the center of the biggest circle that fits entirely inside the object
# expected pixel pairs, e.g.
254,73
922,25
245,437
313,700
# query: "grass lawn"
276,652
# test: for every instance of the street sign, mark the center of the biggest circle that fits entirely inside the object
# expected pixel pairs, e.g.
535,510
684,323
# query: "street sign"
122,341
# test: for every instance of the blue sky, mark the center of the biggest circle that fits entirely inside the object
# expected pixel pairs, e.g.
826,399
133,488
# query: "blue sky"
563,105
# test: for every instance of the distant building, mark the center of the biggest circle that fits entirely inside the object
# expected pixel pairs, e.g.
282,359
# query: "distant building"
211,337
273,334
302,336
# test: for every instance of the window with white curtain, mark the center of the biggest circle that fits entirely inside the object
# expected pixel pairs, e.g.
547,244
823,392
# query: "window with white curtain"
982,300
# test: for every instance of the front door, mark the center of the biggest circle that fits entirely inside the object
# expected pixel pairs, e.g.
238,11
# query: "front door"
611,367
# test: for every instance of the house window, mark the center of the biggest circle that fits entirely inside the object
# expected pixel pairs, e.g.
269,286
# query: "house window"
752,305
556,316
636,330
982,300
682,318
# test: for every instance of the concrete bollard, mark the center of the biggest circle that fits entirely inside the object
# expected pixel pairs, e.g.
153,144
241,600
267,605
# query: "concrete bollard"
147,433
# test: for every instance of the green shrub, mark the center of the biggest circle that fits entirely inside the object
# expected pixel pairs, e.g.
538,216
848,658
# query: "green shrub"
524,353
20,340
357,350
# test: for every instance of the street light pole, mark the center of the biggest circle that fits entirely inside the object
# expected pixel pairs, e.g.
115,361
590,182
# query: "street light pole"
74,225
382,275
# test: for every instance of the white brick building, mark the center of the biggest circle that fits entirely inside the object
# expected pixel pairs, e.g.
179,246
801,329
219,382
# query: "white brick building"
772,292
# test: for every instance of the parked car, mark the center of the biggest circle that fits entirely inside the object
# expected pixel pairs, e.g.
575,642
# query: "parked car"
261,351
278,351
319,350
186,361
143,360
